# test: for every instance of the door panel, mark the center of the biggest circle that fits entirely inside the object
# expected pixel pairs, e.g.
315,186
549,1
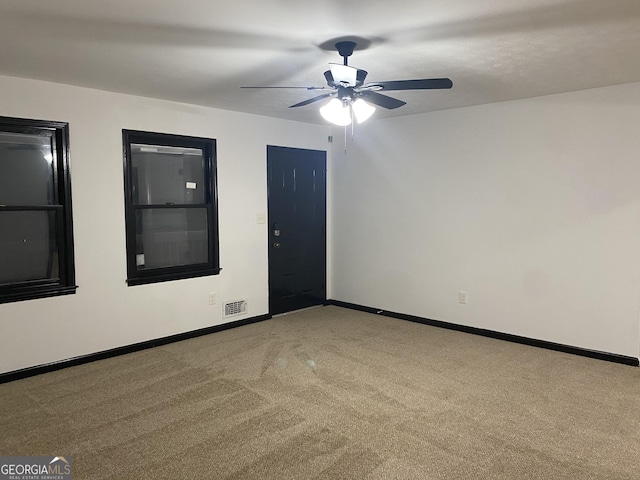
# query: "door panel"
297,238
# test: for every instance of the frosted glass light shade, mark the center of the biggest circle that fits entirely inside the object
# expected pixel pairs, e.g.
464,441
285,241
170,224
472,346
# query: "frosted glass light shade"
362,110
344,74
336,112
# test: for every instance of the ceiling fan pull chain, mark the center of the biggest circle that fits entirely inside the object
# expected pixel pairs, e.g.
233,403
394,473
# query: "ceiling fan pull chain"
352,122
345,139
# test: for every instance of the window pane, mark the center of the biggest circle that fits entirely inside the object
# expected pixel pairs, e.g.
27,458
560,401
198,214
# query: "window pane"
168,237
26,169
28,249
167,175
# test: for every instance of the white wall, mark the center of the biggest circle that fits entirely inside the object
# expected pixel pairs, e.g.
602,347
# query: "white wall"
531,206
105,313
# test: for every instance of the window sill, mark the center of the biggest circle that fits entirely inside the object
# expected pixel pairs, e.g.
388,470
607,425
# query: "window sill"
166,277
41,292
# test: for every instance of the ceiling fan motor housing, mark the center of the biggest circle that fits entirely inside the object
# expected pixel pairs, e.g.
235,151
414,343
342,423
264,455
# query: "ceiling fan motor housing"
346,93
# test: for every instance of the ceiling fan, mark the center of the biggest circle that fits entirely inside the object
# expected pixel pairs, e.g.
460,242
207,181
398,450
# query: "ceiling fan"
350,96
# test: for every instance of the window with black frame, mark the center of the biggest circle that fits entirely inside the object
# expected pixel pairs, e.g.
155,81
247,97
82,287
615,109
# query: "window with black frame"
36,232
171,207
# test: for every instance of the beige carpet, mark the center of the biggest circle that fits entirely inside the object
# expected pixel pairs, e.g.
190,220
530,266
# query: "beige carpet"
337,394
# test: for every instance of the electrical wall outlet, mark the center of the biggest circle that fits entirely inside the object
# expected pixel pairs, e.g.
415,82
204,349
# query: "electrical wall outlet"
462,297
212,298
261,218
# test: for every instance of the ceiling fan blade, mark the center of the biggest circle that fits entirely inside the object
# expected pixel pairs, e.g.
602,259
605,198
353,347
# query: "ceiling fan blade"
330,81
312,100
423,84
382,100
362,74
306,88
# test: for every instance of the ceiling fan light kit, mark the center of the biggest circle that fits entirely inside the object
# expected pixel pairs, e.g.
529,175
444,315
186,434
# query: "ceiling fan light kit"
337,112
362,110
351,97
341,112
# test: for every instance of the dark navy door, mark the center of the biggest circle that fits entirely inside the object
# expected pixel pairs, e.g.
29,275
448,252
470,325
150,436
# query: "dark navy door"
297,233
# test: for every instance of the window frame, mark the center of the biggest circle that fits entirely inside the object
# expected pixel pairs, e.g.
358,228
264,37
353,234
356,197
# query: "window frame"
178,272
65,283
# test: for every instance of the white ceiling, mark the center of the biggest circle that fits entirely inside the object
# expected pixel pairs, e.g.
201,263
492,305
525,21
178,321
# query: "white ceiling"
202,51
